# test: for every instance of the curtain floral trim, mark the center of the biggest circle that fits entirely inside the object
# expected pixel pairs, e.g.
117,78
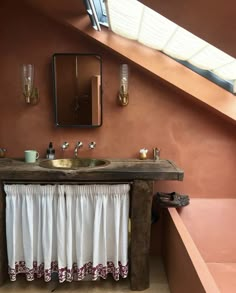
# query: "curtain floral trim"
68,274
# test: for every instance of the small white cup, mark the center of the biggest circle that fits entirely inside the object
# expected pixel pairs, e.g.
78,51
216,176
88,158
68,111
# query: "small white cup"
31,156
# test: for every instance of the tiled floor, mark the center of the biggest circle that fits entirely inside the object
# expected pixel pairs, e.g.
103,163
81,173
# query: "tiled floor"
157,279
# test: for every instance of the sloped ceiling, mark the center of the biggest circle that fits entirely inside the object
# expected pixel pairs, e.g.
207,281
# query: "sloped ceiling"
61,8
211,20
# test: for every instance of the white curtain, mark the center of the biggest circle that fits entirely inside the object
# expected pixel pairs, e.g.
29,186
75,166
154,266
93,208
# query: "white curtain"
74,230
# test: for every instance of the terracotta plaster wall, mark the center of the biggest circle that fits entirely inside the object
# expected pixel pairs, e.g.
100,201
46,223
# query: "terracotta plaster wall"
194,138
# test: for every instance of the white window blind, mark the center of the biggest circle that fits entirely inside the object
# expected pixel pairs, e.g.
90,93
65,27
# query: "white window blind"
131,19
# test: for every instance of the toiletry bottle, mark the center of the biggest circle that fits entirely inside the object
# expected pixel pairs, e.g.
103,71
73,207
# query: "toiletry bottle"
50,152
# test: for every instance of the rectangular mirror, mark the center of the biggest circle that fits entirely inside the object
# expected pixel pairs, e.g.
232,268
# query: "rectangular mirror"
77,82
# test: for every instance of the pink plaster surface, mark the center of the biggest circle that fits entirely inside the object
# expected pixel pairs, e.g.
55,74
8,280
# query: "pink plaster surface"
225,276
185,267
211,223
158,115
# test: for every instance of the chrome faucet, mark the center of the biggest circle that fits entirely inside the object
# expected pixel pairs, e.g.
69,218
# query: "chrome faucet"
78,145
92,145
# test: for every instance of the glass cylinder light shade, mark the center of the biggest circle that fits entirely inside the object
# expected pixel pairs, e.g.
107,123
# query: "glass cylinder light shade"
123,96
27,80
124,75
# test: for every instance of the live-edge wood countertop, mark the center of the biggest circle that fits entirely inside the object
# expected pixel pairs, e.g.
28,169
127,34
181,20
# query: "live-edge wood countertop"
118,169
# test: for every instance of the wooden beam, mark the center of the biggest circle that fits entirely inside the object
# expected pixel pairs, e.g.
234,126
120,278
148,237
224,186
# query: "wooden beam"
141,202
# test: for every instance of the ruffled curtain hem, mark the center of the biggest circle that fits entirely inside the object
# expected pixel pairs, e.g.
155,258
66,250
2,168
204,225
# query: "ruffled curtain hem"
68,274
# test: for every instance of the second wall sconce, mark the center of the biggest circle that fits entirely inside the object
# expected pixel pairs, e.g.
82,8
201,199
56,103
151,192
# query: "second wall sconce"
123,96
29,91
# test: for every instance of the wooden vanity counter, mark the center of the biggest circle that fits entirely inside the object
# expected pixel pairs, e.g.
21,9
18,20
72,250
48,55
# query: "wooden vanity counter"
140,174
118,169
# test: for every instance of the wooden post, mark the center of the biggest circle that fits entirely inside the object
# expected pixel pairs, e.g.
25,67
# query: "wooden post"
141,201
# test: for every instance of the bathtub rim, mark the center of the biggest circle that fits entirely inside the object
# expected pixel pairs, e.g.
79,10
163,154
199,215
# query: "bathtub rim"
200,267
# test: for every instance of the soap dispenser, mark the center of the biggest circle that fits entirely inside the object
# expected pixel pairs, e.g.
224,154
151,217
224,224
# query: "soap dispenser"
50,152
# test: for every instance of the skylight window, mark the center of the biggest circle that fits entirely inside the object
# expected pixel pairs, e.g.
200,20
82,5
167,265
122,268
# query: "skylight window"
96,10
131,19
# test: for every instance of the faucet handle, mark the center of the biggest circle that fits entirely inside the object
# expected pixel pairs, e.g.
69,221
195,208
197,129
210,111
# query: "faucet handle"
79,144
65,145
92,145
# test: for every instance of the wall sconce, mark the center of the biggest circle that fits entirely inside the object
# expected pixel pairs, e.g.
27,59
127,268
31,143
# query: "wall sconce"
29,91
123,96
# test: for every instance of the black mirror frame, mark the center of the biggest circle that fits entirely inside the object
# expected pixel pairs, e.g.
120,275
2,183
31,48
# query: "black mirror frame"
55,92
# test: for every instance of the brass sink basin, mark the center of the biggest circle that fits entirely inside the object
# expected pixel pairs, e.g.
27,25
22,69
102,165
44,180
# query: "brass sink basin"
74,163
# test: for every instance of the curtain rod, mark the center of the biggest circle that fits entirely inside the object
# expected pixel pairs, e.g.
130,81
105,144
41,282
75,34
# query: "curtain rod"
67,182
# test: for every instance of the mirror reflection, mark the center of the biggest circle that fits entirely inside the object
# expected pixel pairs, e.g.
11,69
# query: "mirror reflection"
77,89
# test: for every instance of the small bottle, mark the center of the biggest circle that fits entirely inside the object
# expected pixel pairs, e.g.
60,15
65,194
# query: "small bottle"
50,152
